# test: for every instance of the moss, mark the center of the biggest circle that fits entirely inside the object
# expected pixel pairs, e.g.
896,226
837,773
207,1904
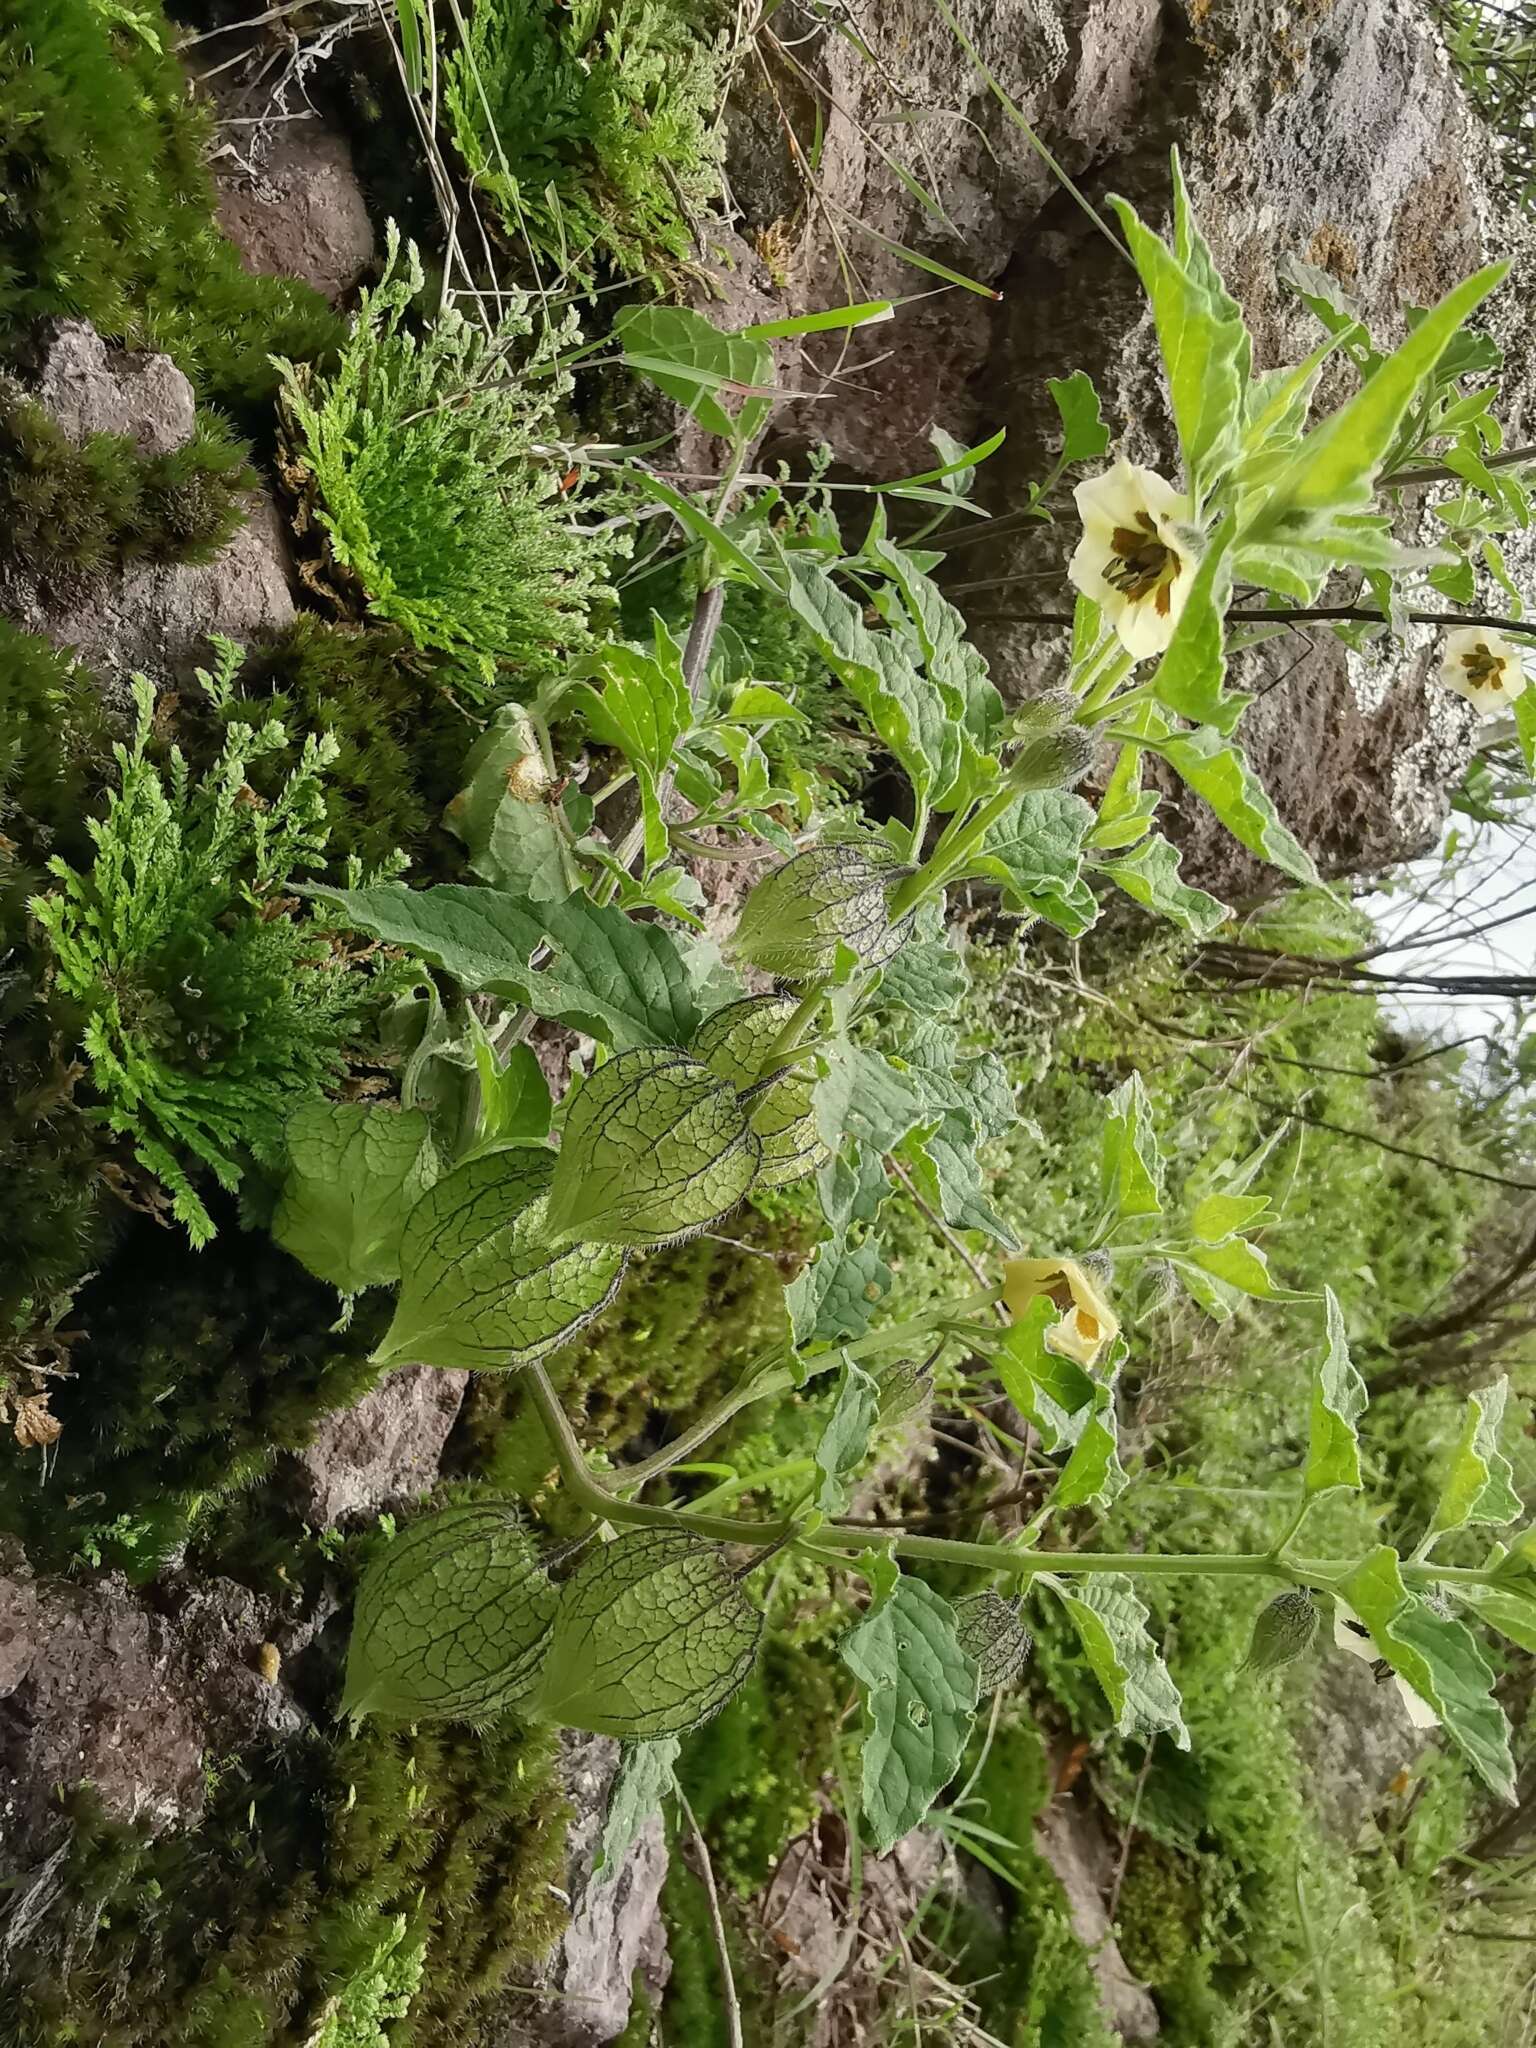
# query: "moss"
401,738
691,2008
190,1375
107,211
69,509
685,1324
1159,1912
54,1214
239,1933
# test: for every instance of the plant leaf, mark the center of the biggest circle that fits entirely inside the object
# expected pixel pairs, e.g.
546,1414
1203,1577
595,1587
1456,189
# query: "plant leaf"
1131,1160
643,1780
844,1440
1338,1402
693,361
355,1171
1111,1624
620,981
1479,1486
1149,875
920,1695
1093,1476
834,1296
1083,433
1217,769
1440,1660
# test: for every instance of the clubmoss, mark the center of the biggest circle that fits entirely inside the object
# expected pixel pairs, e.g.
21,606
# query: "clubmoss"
107,211
251,1929
69,509
400,736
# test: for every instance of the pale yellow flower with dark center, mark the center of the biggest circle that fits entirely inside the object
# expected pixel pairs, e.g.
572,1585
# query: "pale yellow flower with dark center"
1138,554
1483,667
1088,1324
1350,1633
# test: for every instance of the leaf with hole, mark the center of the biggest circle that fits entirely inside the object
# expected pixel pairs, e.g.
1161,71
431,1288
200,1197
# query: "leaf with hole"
919,1698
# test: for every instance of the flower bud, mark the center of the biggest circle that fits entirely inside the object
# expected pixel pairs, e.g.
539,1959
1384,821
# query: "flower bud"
993,1637
733,1043
1051,760
655,1148
833,894
1283,1631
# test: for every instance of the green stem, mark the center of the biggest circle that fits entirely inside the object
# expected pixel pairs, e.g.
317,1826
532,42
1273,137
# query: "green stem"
1294,1528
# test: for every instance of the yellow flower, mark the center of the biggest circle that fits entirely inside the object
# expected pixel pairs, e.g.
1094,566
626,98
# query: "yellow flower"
1483,667
1350,1633
1137,556
1088,1323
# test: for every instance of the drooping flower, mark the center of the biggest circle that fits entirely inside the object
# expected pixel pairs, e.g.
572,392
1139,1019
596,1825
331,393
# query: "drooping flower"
1088,1324
1483,667
1350,1633
1137,557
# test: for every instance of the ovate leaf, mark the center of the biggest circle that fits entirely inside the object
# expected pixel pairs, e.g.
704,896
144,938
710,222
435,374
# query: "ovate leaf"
1083,433
1053,1392
620,981
919,1695
1217,770
1111,1624
355,1171
652,1636
1479,1486
1093,1476
1131,1161
725,380
482,1285
450,1621
844,1440
833,1299
1441,1661
1338,1402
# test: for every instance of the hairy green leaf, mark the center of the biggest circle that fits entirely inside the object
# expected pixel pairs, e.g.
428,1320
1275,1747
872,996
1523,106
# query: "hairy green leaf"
1131,1161
1093,1476
920,1696
355,1171
654,1149
1338,1402
1053,1392
1478,1487
844,1440
1440,1659
643,1780
1217,770
1111,1624
482,1286
620,981
834,1297
451,1620
1149,875
652,1636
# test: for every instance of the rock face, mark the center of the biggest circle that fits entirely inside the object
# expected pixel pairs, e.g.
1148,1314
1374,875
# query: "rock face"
384,1450
1334,132
99,1686
1355,1739
154,617
295,207
616,1930
1070,1836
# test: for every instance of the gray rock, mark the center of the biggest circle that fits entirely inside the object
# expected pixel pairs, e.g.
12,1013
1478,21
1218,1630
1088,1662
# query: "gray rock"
1353,1740
616,1930
1070,1835
294,207
91,388
98,1686
1336,132
384,1450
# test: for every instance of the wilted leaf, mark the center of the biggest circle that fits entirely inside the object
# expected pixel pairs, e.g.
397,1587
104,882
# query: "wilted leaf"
643,1780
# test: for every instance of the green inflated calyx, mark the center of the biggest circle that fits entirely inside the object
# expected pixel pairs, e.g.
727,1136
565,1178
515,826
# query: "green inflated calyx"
1051,750
1283,1632
734,1043
652,1636
797,916
482,1285
655,1149
988,1629
451,1621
